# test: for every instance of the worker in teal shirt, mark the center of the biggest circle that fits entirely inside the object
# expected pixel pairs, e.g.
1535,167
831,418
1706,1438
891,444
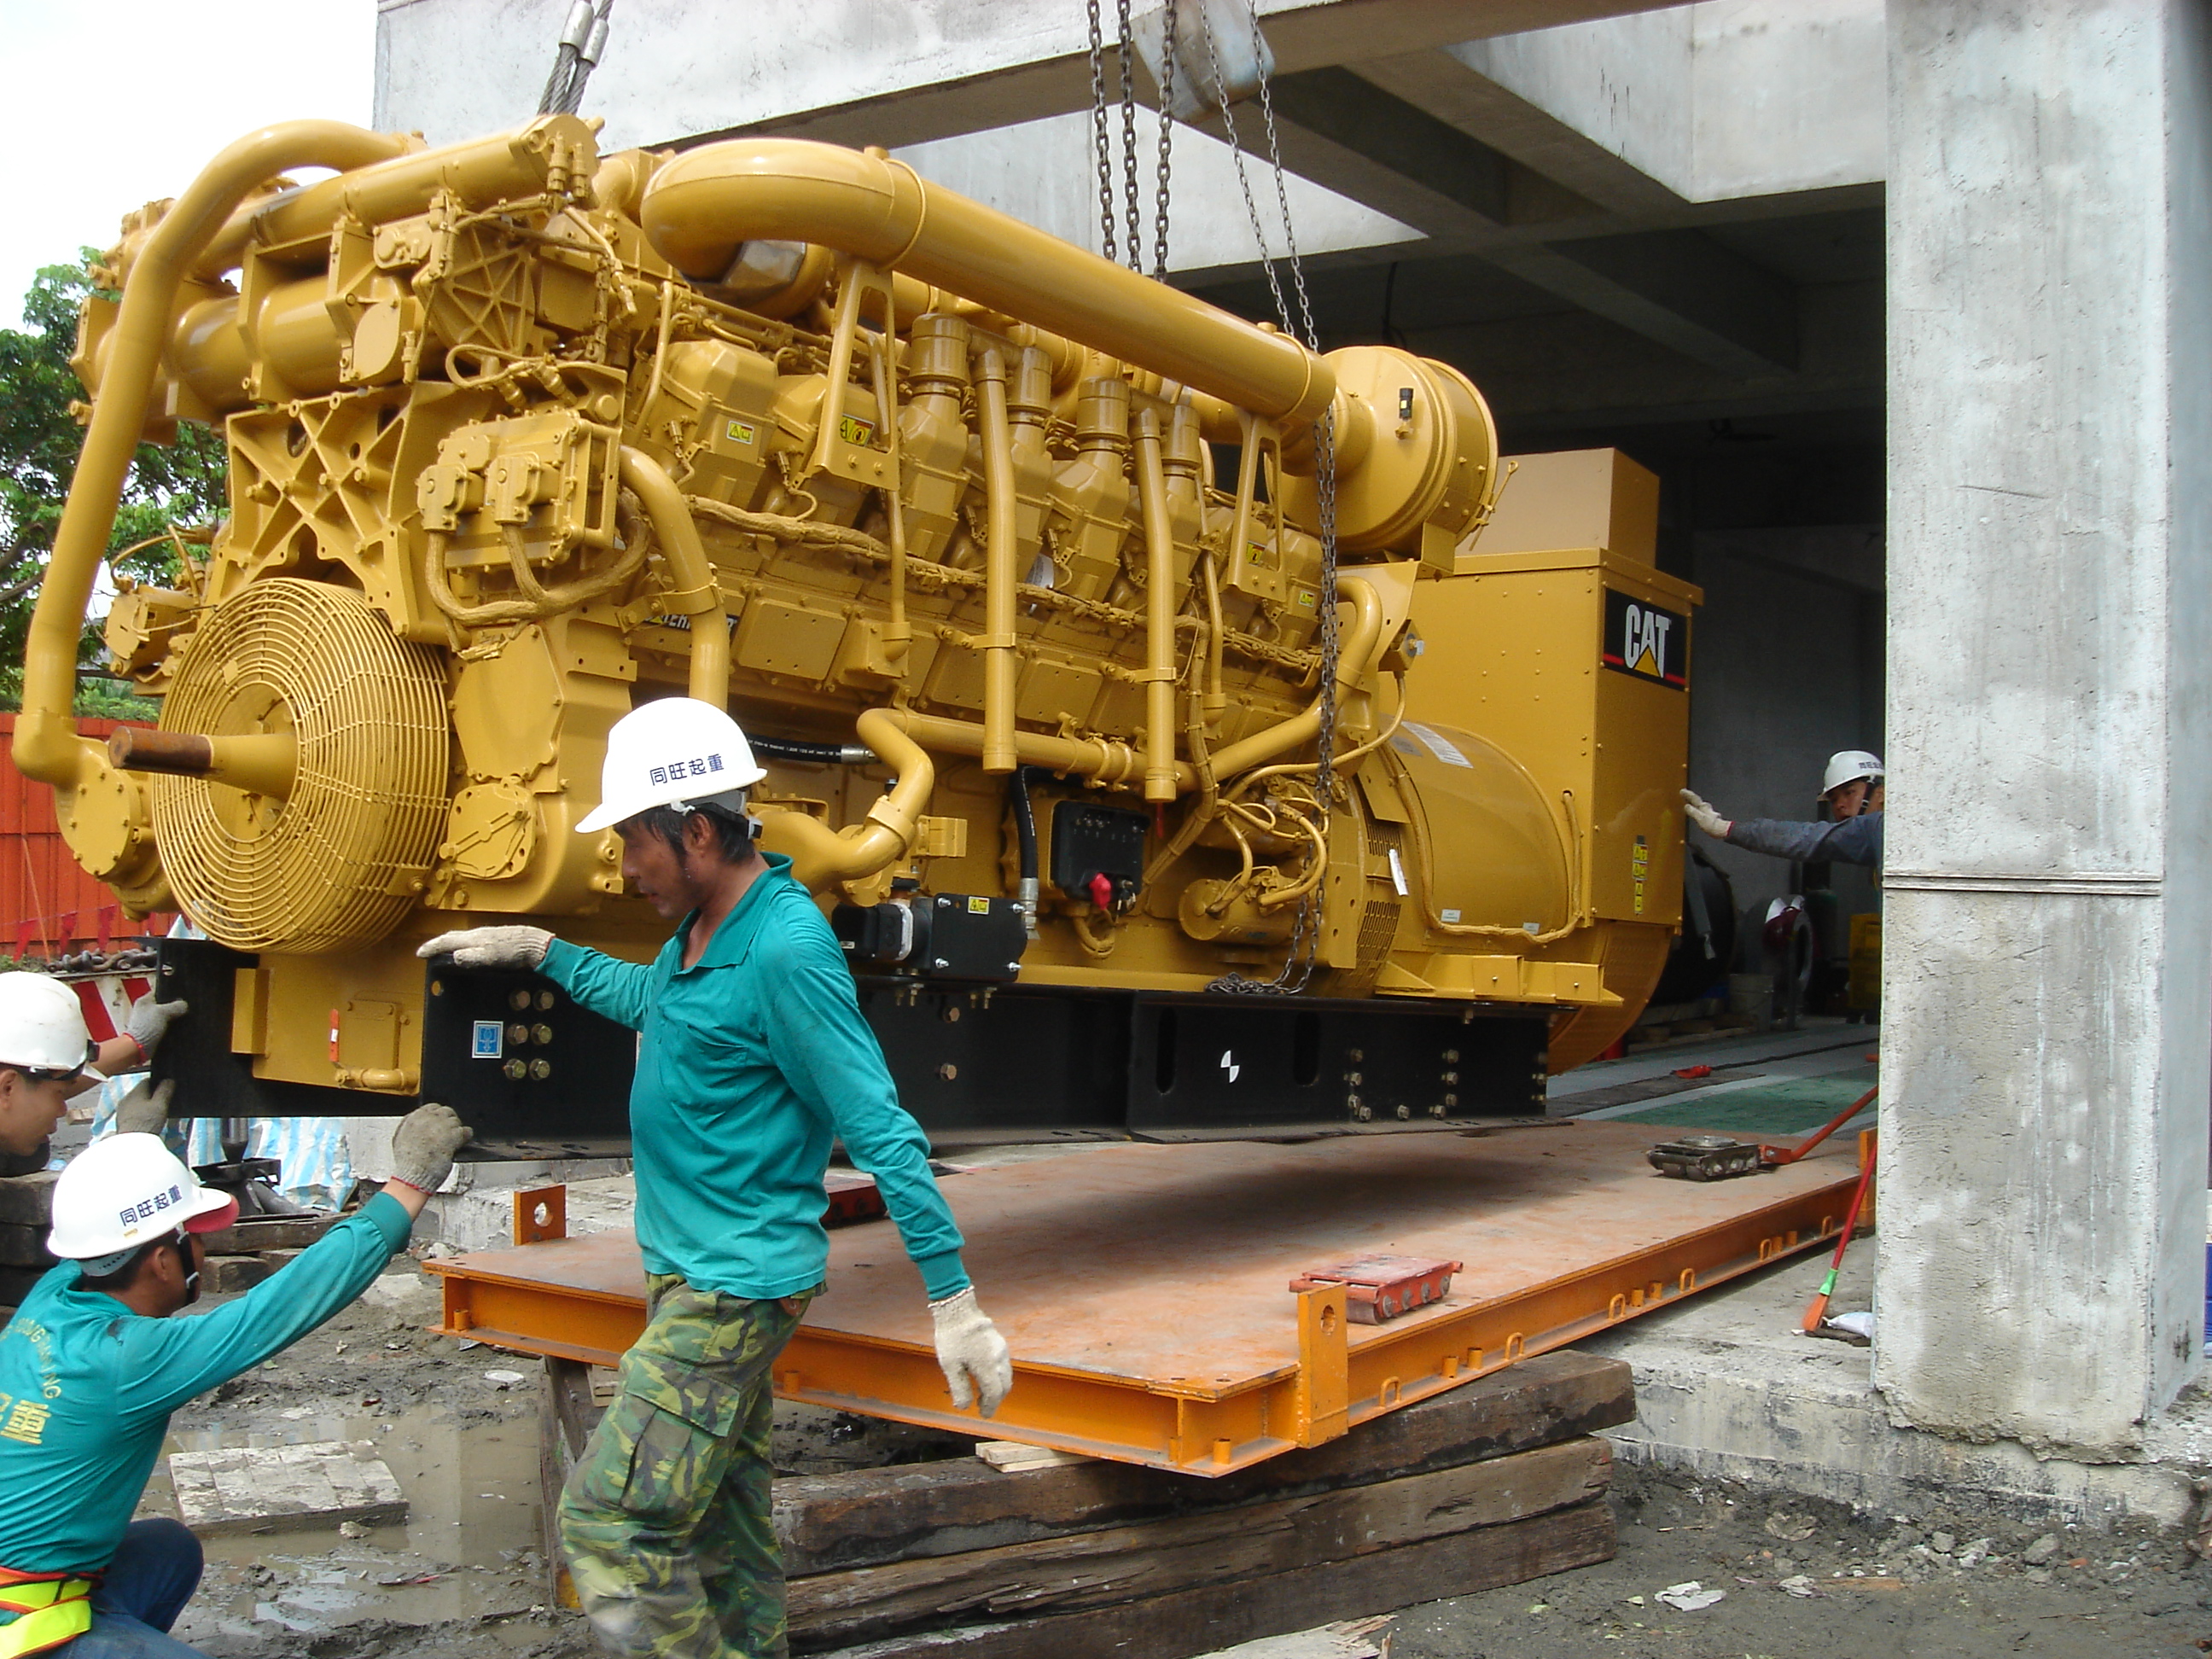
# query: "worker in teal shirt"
752,1057
92,1365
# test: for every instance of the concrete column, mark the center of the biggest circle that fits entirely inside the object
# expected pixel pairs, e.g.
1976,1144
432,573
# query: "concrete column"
2047,1013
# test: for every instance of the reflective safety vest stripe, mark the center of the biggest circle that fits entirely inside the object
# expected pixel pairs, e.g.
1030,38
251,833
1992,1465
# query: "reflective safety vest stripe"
48,1611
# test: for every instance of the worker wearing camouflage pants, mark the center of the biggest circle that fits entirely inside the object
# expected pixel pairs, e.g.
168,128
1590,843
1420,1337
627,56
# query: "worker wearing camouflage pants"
752,1059
665,1522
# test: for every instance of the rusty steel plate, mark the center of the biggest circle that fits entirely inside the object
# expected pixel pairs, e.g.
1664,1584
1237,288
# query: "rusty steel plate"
1142,1287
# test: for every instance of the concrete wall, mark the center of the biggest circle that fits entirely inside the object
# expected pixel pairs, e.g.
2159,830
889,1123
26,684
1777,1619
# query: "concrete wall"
2045,1062
1717,100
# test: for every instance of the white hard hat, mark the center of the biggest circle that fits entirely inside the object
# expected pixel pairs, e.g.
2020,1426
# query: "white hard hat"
674,751
42,1025
129,1190
1848,766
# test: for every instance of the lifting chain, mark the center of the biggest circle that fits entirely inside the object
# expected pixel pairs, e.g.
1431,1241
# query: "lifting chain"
1298,966
1126,55
1113,237
1167,138
1101,145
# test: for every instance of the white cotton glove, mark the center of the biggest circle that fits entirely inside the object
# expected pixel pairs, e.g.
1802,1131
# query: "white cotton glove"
490,947
147,1022
1701,812
423,1145
971,1351
145,1109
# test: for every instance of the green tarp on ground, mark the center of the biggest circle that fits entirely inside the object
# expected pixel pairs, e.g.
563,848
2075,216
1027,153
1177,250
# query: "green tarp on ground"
1765,1108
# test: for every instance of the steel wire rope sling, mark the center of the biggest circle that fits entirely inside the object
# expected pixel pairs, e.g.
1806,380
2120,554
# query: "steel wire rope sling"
583,38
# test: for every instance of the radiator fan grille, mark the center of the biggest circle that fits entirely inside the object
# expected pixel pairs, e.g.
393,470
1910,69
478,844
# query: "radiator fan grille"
336,865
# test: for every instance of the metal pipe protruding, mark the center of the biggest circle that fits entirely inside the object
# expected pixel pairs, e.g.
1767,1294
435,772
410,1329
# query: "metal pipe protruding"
261,764
47,745
701,204
1159,612
999,575
700,596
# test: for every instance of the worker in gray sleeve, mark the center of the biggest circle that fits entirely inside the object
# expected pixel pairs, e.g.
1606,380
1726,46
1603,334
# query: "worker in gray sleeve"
1853,791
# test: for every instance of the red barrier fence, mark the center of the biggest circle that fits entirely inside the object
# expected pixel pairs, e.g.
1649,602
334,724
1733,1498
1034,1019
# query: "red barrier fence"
47,903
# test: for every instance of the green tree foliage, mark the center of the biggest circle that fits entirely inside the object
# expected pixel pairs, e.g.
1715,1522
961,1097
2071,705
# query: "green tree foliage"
181,483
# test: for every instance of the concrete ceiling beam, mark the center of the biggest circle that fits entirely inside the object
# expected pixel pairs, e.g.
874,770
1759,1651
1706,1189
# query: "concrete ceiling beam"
1679,288
1441,84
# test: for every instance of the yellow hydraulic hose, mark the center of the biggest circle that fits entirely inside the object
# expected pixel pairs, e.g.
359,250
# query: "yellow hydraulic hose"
47,745
702,206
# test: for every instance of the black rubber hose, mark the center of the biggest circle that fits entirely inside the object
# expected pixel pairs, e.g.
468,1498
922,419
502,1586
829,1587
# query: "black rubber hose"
1018,794
818,754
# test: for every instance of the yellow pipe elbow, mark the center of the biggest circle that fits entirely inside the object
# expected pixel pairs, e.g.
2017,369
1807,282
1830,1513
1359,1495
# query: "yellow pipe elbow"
822,857
698,595
47,745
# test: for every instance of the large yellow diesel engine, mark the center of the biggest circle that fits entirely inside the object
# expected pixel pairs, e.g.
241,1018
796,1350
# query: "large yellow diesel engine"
1017,566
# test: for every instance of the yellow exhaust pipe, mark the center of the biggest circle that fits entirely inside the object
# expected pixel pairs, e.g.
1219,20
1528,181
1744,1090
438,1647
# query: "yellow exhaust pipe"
702,206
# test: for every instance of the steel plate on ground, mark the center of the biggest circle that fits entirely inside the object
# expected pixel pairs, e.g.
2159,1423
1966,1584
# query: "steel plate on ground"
1141,1287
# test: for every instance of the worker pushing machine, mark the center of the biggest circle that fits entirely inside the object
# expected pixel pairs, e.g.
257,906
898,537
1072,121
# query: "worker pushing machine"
1852,788
93,1364
752,1056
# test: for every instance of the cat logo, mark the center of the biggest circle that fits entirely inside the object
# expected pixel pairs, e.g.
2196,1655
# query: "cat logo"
1646,641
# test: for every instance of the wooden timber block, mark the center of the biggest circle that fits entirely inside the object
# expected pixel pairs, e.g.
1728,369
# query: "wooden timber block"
1194,1620
868,1517
15,1283
1095,1572
27,1200
220,1275
274,1232
24,1245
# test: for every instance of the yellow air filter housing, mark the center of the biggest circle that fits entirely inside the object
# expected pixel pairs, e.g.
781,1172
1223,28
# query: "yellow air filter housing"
335,865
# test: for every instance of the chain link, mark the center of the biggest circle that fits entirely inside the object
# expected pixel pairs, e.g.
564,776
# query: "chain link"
1298,967
1100,142
1167,140
1133,210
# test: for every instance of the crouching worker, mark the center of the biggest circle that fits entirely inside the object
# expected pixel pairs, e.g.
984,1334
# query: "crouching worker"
93,1363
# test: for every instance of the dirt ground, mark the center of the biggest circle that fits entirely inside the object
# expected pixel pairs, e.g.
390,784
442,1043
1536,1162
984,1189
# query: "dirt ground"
466,1572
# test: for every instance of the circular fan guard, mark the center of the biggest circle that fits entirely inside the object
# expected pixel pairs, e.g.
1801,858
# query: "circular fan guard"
335,865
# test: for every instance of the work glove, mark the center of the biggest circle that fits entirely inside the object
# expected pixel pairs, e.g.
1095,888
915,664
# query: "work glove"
971,1351
423,1145
145,1109
1701,812
147,1022
490,947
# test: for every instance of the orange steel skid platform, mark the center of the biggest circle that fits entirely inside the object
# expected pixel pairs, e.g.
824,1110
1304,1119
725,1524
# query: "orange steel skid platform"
1144,1288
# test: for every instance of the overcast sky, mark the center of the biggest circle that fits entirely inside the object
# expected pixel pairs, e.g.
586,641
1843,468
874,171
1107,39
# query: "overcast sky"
118,102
